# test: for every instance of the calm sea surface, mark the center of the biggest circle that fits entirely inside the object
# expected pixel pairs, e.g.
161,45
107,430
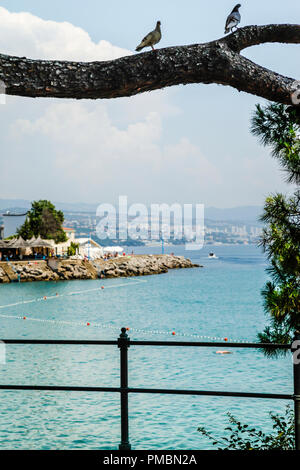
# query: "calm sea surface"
221,300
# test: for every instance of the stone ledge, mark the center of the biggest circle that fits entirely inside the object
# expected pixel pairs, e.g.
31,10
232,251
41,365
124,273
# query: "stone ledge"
129,266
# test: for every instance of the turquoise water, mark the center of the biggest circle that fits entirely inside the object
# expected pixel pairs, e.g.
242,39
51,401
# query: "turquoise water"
221,300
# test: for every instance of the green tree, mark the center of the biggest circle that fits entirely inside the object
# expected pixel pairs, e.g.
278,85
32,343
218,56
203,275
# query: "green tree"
278,126
45,221
73,248
244,437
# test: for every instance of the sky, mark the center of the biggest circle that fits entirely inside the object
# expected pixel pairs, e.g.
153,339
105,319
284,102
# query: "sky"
185,144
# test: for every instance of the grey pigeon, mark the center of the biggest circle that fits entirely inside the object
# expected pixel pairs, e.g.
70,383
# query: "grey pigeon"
233,19
152,38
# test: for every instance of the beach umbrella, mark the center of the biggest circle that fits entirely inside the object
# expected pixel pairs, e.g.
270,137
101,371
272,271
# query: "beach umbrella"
113,249
40,243
20,243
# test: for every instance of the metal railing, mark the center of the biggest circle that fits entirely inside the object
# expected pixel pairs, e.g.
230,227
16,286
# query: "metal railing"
124,343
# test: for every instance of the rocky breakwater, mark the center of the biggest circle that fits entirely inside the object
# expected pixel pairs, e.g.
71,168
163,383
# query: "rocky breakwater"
3,276
30,271
141,265
27,271
67,270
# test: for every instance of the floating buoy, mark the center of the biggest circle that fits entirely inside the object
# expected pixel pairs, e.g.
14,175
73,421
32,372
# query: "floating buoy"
223,352
88,324
225,339
173,333
24,318
102,287
127,329
45,298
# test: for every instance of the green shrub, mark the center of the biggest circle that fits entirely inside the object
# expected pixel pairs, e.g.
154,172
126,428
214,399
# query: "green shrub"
244,437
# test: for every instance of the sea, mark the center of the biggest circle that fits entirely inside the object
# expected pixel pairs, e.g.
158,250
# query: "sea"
221,300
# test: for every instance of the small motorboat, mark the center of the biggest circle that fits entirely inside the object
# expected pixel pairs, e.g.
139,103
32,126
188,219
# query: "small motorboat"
212,256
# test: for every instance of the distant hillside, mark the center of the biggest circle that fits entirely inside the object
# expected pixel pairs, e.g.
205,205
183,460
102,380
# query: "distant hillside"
21,204
14,205
243,214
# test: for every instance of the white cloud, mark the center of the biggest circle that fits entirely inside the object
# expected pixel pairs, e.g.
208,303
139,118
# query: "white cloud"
96,147
133,161
27,35
94,151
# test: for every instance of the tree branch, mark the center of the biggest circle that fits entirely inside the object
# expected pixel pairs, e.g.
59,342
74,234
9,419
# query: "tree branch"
214,62
255,35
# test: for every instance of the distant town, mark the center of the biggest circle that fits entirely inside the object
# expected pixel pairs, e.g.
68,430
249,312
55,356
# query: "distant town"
222,232
215,232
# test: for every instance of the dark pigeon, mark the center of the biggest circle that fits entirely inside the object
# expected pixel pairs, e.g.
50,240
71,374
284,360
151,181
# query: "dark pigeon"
233,19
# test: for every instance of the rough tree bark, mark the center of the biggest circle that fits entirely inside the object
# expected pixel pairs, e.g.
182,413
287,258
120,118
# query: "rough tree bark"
218,62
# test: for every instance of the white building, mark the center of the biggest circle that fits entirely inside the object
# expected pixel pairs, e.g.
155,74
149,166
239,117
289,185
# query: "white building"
89,248
71,233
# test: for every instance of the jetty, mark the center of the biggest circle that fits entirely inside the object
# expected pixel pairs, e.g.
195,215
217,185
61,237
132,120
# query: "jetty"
68,269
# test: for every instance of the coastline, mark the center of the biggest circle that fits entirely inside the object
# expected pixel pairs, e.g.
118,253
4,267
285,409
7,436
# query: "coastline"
67,270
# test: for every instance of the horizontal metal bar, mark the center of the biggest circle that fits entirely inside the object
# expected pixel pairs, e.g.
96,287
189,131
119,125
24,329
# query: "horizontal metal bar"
147,343
277,396
54,388
64,342
163,391
210,345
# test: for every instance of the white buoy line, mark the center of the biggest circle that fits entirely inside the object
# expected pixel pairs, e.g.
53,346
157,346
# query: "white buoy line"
104,325
57,296
117,328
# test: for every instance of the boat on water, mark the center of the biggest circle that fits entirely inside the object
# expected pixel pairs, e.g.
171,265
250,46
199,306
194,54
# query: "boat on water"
212,256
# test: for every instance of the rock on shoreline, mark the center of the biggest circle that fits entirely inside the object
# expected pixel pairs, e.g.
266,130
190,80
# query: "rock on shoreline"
129,266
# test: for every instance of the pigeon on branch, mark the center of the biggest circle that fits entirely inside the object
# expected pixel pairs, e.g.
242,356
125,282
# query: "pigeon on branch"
233,19
151,39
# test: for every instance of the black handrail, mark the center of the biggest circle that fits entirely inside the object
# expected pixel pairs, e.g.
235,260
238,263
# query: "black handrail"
210,345
60,341
124,343
167,391
148,343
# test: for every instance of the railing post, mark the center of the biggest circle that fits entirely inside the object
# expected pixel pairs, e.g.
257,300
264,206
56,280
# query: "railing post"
296,365
123,344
